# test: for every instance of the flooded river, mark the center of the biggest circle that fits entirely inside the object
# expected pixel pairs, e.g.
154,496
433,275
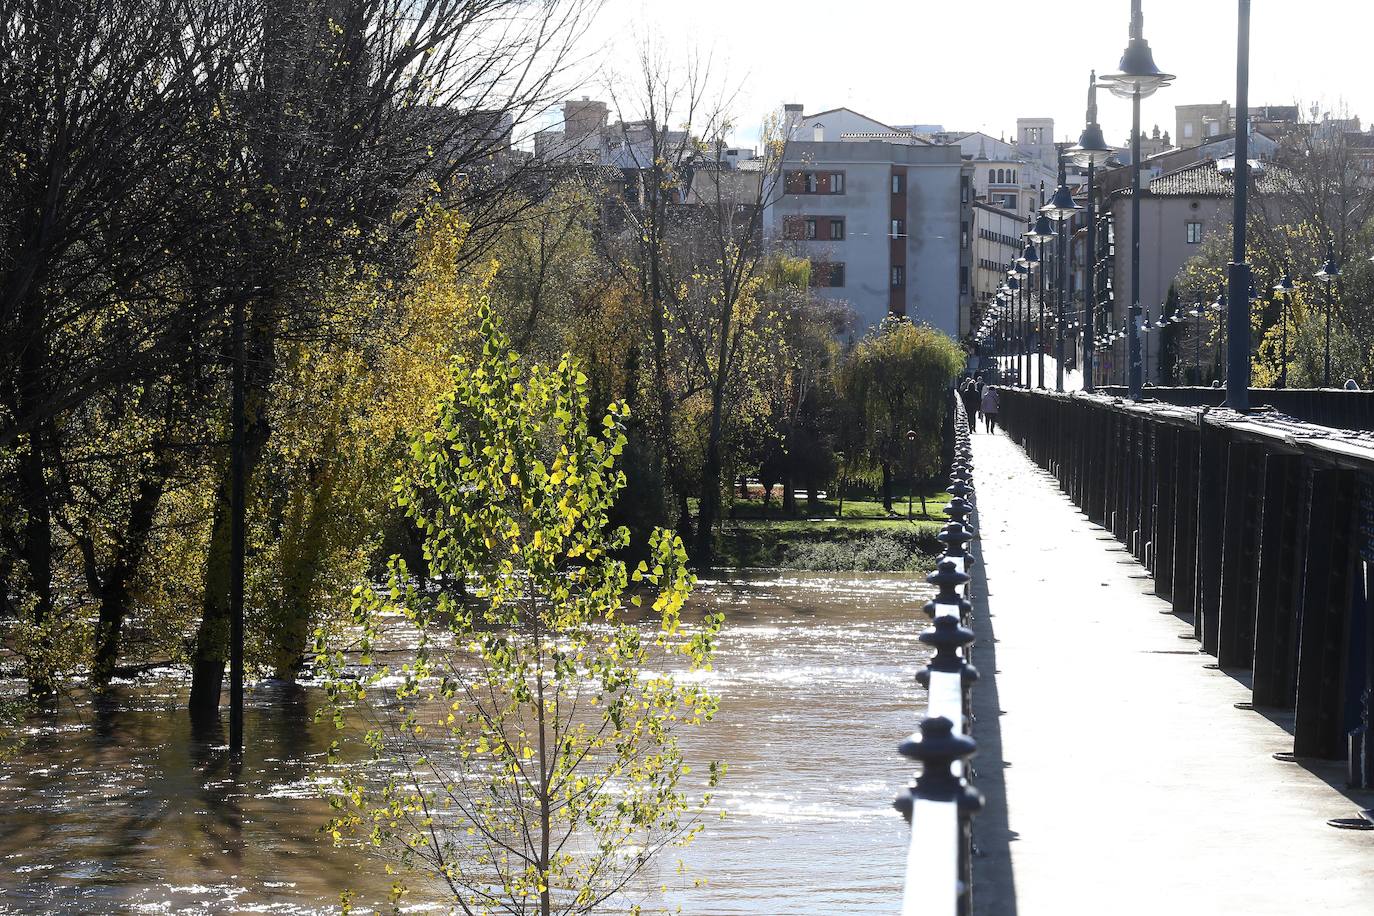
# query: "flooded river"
118,808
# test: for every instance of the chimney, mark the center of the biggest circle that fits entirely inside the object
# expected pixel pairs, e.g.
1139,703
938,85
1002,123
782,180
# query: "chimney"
791,120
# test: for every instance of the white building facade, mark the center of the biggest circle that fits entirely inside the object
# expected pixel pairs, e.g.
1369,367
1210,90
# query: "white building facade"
886,223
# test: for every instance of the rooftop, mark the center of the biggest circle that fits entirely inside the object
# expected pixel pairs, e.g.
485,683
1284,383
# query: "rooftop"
1207,179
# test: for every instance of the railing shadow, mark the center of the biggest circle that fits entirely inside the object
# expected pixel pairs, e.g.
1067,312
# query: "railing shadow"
993,880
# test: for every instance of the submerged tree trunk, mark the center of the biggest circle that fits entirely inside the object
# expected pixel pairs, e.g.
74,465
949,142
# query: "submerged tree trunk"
117,583
302,556
212,638
35,498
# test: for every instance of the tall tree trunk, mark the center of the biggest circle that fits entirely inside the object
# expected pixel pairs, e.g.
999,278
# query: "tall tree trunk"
887,486
709,505
116,584
212,637
36,501
789,495
302,556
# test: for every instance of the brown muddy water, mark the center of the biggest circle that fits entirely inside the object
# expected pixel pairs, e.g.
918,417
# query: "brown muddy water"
116,807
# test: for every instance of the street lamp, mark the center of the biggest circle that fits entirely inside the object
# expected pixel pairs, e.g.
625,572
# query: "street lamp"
910,469
1030,259
1092,148
1136,78
1061,208
1004,328
1197,312
1040,232
1283,291
1014,289
1328,275
1219,306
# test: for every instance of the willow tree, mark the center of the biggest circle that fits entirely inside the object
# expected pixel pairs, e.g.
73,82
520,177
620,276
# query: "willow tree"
537,761
897,379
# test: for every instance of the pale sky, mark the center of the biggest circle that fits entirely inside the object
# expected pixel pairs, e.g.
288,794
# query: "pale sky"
979,65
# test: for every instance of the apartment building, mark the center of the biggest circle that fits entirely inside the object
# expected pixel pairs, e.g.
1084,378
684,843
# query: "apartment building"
885,218
1178,210
997,241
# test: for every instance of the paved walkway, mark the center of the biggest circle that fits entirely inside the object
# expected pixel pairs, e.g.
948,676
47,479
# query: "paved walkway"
1120,778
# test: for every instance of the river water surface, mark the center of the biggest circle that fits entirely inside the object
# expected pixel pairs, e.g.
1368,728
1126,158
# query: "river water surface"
116,807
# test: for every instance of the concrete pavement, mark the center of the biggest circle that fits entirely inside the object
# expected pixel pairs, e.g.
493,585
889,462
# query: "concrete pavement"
1119,776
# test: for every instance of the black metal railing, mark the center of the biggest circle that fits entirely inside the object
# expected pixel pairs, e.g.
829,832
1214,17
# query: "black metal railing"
941,800
1258,526
1334,407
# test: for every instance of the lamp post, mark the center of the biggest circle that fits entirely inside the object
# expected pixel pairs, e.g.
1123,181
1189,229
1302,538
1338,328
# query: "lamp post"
1238,276
1197,313
1007,319
1030,257
237,526
1137,78
1014,287
1328,275
910,469
1283,291
1014,272
1092,148
1061,209
1041,232
1219,306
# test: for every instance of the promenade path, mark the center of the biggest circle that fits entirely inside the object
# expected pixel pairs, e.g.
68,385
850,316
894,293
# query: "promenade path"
1119,776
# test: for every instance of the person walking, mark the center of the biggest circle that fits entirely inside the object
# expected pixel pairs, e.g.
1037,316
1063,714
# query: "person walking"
992,402
969,392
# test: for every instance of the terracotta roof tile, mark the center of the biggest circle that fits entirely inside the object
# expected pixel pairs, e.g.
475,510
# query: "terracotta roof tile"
1204,179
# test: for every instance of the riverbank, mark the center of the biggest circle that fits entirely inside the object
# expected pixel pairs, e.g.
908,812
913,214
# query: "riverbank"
866,537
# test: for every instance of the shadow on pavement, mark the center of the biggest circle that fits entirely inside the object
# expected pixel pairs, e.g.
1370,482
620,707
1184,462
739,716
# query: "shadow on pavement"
994,887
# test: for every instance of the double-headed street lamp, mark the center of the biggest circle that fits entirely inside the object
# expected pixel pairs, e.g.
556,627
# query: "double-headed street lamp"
1328,275
1092,148
1030,260
1041,231
1283,291
1014,273
1061,209
1137,77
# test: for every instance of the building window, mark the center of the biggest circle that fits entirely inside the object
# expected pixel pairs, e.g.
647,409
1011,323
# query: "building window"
963,189
963,281
810,182
818,133
1194,233
836,230
898,228
827,274
1187,130
810,227
837,182
898,275
1213,129
963,235
896,184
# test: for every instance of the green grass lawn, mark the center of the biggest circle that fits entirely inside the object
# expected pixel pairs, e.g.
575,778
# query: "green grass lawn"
866,537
